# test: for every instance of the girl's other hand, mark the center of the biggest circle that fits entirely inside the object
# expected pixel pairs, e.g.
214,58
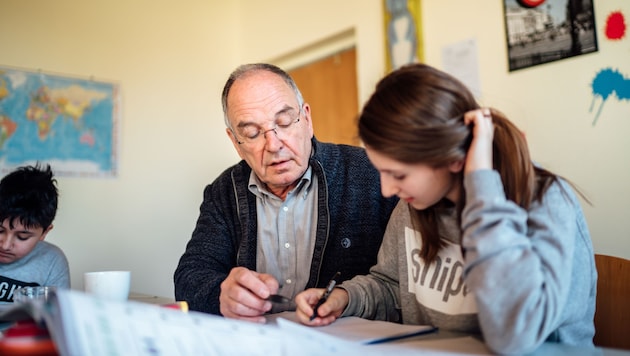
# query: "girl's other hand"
480,152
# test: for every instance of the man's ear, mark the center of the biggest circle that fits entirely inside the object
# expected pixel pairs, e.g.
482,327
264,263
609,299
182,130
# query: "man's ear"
306,114
234,140
41,238
457,166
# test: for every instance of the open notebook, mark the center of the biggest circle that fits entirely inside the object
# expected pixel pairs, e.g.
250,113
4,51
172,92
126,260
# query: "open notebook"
82,324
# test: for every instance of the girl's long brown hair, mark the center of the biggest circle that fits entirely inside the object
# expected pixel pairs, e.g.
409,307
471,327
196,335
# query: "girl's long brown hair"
416,115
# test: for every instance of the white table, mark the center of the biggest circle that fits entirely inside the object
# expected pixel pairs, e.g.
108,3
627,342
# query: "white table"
151,299
447,343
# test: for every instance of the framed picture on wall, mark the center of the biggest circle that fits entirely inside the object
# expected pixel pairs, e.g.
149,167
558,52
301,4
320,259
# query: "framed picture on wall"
403,32
542,31
67,121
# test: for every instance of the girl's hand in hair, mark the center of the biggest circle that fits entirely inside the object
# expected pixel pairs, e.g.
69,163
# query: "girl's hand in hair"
480,152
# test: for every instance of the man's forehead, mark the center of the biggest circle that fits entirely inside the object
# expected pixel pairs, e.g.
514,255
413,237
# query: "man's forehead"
259,96
258,85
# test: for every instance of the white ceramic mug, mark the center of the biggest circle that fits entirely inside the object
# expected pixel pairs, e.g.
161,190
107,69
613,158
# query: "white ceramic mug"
113,285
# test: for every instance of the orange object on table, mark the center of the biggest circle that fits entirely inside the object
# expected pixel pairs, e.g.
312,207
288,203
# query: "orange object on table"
27,338
183,306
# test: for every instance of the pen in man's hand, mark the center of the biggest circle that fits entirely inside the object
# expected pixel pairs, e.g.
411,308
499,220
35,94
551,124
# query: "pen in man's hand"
322,300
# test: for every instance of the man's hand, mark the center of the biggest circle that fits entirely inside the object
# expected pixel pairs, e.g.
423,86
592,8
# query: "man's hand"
243,294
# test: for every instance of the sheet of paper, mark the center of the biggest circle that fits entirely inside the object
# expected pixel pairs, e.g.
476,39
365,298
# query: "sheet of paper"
461,61
360,330
374,331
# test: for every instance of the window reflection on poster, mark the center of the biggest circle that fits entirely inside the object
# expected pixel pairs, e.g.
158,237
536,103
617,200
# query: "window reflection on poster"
543,31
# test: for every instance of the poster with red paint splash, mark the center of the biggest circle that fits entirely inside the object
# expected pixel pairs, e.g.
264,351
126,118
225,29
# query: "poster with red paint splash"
542,31
609,82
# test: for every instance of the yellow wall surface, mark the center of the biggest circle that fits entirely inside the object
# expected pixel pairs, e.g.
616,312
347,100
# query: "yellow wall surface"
551,104
172,58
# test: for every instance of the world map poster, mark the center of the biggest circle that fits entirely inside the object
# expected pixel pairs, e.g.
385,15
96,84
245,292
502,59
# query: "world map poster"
66,122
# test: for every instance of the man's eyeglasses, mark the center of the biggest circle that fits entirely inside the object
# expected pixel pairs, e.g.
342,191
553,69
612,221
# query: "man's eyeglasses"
254,135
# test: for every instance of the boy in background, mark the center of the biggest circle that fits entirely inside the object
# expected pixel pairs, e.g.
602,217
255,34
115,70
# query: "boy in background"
28,204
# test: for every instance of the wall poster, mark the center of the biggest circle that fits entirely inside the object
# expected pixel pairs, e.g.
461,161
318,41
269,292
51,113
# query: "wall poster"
610,82
63,121
403,33
542,31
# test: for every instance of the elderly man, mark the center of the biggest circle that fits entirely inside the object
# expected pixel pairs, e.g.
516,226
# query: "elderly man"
287,217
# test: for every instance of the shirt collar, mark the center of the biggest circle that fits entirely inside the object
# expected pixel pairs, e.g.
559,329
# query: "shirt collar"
258,188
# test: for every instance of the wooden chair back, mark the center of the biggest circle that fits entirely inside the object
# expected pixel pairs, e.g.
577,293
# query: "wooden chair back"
612,308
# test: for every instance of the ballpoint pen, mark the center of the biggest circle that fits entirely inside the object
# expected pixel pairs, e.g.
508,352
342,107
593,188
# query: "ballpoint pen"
322,300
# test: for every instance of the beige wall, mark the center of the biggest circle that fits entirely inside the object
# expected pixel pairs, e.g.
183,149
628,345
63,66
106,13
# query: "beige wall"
171,60
551,103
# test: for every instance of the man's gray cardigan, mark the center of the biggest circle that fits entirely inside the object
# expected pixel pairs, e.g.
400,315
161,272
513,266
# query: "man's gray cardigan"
351,219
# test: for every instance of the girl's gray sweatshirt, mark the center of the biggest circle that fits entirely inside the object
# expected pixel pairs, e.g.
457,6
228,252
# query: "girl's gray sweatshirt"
519,277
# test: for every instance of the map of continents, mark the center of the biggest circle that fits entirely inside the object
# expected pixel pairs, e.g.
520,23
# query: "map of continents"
67,122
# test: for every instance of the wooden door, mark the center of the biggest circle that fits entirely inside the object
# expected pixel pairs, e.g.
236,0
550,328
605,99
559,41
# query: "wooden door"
612,311
329,86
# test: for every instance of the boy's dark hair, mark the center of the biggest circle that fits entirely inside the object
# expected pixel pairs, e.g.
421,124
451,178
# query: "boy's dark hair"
29,195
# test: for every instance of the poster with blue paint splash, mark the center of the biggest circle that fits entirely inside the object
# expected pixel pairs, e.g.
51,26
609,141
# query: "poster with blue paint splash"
610,83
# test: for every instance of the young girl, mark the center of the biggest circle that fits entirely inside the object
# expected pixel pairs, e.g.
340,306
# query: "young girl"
482,240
